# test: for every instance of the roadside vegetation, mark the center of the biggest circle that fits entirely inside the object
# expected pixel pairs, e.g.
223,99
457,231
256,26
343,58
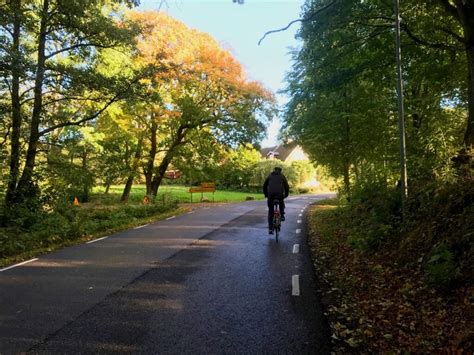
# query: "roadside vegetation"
397,274
30,233
387,288
33,232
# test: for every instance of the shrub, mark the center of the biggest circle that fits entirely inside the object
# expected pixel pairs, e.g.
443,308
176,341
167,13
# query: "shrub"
440,268
374,212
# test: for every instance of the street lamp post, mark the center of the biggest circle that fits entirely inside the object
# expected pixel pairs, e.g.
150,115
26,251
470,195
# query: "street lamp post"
401,111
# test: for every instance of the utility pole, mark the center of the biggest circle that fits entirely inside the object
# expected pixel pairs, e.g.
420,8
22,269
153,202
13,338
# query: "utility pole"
401,111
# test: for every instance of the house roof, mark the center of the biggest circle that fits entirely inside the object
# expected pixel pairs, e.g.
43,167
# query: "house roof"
280,152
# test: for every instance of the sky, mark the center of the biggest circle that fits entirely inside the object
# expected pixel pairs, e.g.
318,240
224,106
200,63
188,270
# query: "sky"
239,28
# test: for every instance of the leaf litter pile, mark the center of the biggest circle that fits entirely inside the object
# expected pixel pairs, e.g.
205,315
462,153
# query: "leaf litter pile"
373,304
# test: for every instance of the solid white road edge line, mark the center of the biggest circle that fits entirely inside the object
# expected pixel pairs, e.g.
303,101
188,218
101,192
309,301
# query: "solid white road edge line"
96,240
141,226
296,249
298,231
295,285
170,218
19,264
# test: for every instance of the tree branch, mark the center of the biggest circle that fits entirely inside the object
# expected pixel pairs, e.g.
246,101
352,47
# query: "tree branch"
79,45
418,40
298,20
450,9
451,33
88,118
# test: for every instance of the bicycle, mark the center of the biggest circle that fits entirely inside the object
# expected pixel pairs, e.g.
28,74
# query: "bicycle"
276,218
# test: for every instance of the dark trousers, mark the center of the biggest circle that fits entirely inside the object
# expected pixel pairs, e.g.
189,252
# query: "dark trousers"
270,208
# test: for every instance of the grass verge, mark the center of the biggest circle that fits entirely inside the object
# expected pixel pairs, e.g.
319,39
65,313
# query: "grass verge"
46,232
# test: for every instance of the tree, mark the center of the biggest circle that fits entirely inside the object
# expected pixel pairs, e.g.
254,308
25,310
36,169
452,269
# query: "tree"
238,168
343,97
204,90
58,90
462,12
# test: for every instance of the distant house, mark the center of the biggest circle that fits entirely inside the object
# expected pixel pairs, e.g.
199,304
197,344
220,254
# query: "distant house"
285,152
289,153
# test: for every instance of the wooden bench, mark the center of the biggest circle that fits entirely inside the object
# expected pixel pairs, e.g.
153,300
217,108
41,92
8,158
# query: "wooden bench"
204,187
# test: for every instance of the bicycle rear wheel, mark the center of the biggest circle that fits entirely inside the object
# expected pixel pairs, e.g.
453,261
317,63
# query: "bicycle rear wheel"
276,224
276,218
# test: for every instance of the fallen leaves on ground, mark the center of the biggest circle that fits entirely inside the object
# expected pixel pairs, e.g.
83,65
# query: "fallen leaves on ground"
375,305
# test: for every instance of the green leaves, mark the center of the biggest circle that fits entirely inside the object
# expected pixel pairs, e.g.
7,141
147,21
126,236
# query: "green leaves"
343,100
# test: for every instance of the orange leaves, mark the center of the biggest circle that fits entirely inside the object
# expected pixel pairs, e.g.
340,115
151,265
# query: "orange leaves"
187,53
196,82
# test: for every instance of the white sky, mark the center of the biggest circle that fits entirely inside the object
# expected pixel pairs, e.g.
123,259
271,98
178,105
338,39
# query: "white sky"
239,27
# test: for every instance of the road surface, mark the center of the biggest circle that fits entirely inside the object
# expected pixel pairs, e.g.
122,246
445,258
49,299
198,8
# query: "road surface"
209,281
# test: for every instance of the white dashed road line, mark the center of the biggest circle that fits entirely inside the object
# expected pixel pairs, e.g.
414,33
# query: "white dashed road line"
96,240
19,264
170,218
295,285
296,249
298,221
190,212
141,226
298,231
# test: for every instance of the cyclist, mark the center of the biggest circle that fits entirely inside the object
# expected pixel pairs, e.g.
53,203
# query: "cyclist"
275,187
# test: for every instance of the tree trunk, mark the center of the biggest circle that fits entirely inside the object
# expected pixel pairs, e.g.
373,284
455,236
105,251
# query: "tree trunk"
85,187
347,155
107,188
469,134
180,134
127,188
26,180
133,172
151,158
16,105
161,172
347,180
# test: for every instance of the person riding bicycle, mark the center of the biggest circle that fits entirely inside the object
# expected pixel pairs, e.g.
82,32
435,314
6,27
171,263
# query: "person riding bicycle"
275,187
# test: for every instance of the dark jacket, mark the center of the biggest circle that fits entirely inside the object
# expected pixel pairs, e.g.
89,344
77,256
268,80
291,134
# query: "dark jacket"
276,185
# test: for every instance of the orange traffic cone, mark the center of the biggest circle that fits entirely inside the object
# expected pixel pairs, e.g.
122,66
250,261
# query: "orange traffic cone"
76,201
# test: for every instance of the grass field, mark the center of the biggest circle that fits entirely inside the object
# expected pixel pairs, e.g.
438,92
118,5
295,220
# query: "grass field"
167,192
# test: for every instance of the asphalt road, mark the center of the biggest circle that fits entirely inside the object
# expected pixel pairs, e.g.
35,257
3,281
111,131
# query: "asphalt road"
209,281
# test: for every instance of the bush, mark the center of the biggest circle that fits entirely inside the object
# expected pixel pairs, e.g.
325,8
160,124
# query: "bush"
440,268
374,212
437,228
